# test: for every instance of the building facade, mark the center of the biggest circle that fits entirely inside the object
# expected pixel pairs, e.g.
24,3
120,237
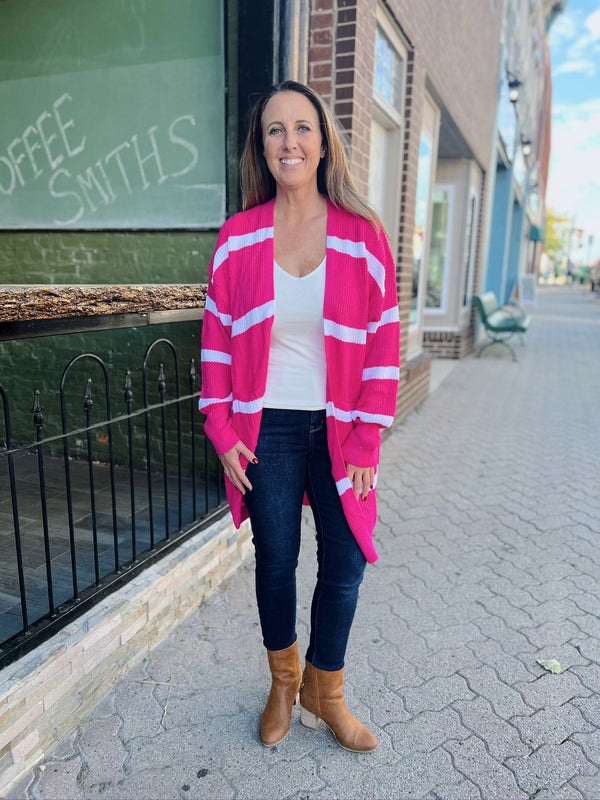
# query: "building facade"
421,90
414,86
521,147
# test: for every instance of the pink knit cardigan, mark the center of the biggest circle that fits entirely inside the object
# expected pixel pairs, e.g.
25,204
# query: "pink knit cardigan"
362,347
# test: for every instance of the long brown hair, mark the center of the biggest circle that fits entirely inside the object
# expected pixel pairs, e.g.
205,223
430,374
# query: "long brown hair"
333,174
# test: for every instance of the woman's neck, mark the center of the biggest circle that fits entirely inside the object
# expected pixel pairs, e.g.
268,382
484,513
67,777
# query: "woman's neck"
292,206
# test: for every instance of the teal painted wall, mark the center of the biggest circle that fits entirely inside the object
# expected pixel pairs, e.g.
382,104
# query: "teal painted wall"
500,221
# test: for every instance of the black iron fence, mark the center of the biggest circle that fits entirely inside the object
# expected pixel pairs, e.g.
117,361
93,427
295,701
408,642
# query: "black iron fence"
85,509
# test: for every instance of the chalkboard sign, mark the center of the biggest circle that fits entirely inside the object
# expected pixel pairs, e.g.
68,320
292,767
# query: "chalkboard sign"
528,289
112,114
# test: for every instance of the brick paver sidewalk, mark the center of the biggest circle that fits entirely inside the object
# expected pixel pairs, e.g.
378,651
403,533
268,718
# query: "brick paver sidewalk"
489,546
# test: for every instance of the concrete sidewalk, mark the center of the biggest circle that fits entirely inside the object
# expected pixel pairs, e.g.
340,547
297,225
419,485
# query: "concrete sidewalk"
489,544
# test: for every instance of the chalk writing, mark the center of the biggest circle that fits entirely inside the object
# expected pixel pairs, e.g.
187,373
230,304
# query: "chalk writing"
125,165
23,148
47,146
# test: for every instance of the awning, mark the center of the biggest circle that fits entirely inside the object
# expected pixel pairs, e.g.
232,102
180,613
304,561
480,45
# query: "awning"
536,234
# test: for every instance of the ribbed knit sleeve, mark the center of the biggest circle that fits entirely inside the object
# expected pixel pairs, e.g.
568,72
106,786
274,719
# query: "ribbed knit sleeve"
216,396
376,404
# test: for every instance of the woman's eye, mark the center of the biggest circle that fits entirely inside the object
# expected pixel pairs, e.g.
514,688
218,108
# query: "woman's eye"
275,131
304,128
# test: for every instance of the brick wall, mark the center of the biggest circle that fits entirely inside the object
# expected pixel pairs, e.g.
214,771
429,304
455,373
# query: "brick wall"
448,344
341,70
322,53
414,388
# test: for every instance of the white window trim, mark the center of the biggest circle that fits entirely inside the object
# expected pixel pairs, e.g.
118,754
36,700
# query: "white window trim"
393,187
416,328
392,119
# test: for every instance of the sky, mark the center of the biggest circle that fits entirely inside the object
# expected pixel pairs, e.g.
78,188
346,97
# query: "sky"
574,177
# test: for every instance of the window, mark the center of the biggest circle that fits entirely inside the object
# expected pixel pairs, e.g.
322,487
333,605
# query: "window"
428,146
469,249
385,157
439,249
378,160
388,71
421,209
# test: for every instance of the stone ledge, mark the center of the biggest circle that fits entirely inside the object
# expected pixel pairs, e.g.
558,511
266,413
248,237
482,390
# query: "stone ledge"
417,365
46,693
20,303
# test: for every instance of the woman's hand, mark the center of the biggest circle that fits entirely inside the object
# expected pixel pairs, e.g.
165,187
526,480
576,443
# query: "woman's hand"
361,479
233,468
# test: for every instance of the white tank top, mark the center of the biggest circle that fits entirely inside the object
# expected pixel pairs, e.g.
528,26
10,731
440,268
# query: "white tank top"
297,374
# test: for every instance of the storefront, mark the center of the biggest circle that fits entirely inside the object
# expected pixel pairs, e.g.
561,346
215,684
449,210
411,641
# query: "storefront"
117,123
414,94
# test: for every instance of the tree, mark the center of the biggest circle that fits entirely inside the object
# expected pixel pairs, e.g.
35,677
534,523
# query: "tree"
557,234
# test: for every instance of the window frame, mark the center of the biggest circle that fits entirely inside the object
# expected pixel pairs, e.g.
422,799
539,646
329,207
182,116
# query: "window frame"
468,268
392,120
450,189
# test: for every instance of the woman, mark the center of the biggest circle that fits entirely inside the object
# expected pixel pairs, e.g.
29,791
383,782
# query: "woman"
300,356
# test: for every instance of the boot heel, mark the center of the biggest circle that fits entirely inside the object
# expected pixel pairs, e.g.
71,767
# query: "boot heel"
308,719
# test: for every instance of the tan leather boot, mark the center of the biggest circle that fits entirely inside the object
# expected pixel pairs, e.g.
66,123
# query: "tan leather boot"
322,698
286,674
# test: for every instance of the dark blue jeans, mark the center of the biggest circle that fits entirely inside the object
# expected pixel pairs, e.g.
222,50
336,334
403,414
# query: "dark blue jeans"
293,459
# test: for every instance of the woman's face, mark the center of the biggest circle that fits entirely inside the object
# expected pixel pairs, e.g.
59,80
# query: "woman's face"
292,141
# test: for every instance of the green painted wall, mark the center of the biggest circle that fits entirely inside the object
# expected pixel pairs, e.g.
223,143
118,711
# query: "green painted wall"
47,257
